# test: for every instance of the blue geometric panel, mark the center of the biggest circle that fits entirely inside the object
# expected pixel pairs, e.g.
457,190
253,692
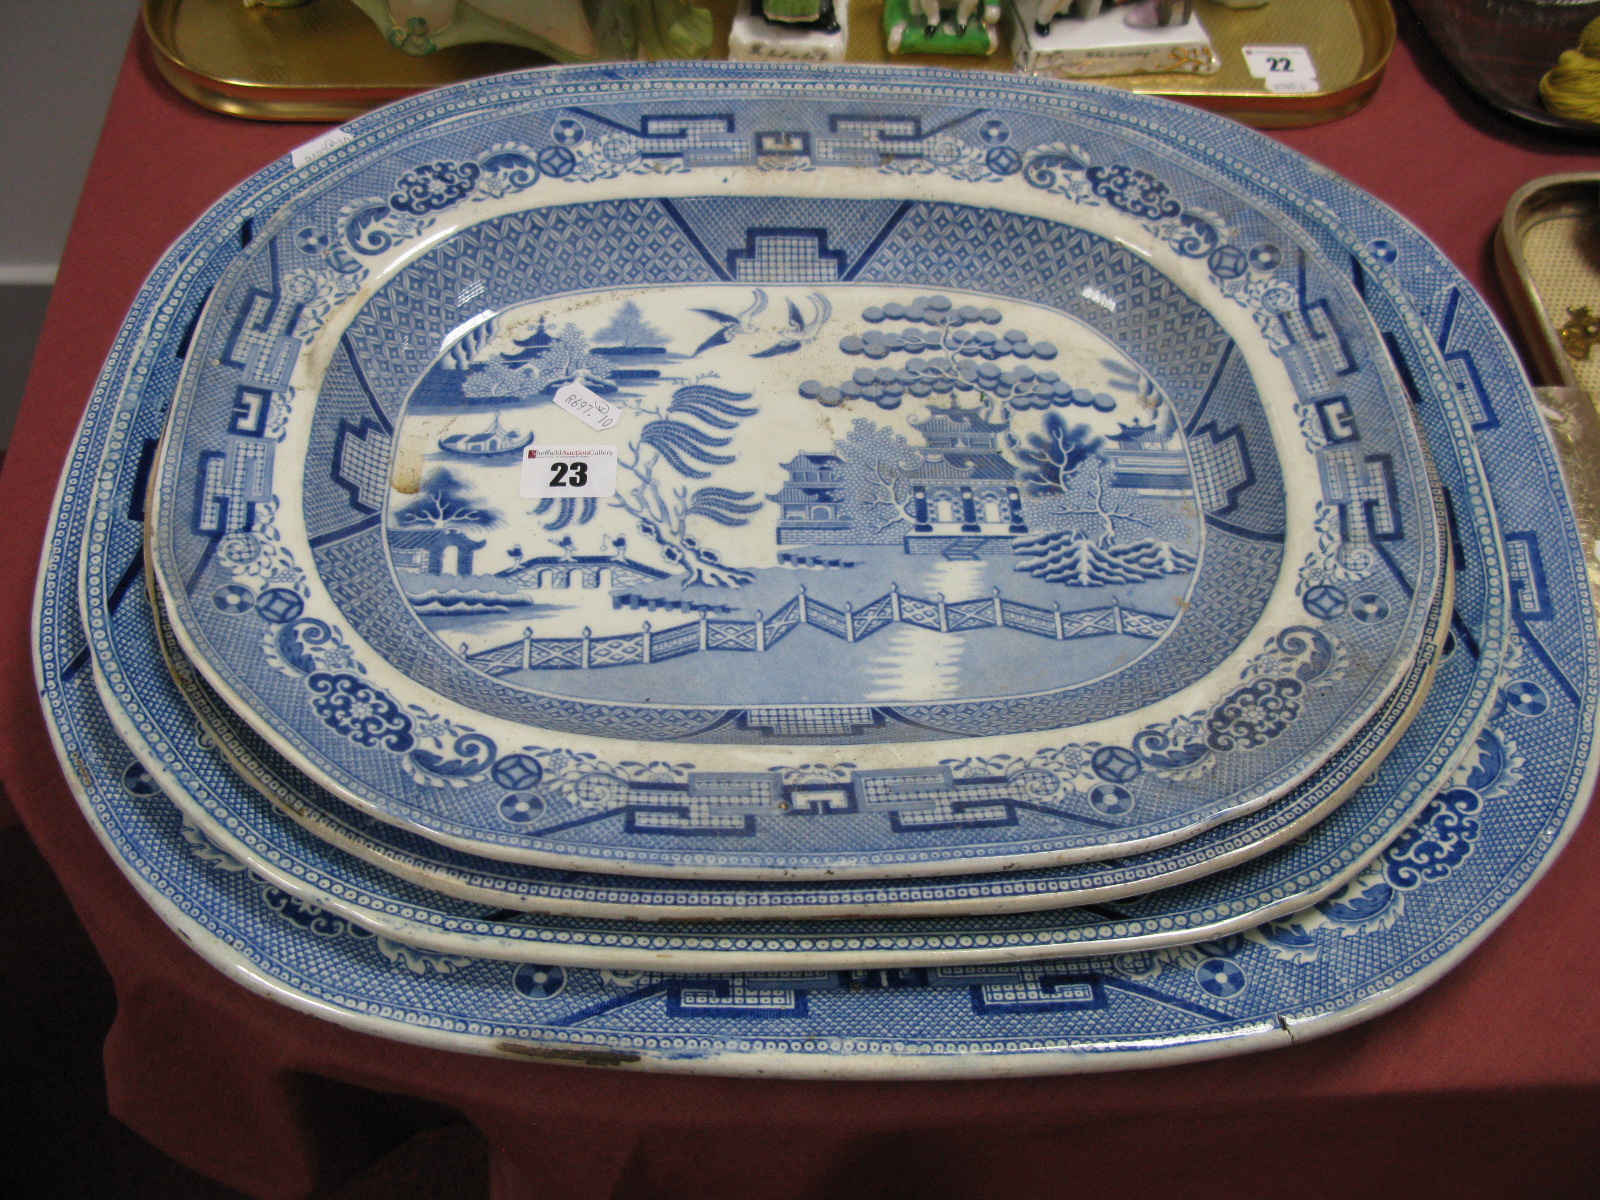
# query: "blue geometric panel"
1363,486
713,803
1221,467
1040,988
870,140
695,140
1462,366
741,996
361,463
782,145
1530,597
1469,390
1337,420
260,342
786,255
1230,401
251,406
724,225
355,442
1316,355
231,484
835,720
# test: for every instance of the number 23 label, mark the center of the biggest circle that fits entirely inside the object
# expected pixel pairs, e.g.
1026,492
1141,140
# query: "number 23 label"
562,471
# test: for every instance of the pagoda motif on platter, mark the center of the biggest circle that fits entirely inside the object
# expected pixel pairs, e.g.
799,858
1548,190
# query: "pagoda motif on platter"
812,501
963,487
1149,460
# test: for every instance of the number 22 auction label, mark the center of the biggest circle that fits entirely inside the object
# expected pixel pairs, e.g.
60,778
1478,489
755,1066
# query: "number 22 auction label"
563,471
1285,69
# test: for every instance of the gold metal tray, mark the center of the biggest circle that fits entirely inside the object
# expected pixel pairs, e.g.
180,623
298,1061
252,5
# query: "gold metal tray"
326,61
1547,251
323,62
1349,40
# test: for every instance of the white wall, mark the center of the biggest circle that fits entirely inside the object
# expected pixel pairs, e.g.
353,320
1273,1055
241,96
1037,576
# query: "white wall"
58,63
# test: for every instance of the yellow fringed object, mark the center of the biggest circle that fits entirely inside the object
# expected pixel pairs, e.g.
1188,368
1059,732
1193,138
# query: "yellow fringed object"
1571,88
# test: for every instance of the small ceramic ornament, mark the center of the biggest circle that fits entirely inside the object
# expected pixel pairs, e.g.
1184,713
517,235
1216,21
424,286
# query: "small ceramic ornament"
1165,12
566,30
789,31
1109,37
935,27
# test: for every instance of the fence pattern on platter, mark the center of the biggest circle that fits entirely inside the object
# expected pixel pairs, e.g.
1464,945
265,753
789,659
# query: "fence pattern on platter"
850,624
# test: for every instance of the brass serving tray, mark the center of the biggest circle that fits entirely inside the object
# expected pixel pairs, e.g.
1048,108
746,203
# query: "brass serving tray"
1547,251
1349,40
326,61
323,62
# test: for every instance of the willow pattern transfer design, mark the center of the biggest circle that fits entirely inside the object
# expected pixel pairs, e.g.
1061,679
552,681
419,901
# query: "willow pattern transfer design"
140,697
209,777
1063,481
1433,896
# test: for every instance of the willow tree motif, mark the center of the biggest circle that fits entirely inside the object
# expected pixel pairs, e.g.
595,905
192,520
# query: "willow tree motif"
876,466
562,513
933,346
1065,461
443,502
680,441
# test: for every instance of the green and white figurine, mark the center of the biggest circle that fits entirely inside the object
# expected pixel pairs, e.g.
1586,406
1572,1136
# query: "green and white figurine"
789,31
941,26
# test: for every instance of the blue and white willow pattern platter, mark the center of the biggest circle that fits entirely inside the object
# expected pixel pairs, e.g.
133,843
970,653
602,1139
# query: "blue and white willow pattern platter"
1432,896
1128,549
141,698
196,773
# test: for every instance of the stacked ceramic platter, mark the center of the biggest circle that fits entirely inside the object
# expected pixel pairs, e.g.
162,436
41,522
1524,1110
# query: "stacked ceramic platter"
820,572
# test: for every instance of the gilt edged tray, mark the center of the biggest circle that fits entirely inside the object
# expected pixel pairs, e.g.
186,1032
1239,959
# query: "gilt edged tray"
1431,898
894,577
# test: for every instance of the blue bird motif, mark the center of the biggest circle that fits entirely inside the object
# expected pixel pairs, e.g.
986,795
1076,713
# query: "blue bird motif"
787,335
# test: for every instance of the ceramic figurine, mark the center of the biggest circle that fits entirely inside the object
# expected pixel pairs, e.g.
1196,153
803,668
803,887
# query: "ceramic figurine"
1168,12
1109,37
566,30
941,26
1581,332
812,14
789,30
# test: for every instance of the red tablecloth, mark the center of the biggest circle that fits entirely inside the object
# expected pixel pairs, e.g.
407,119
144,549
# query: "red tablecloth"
1486,1085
